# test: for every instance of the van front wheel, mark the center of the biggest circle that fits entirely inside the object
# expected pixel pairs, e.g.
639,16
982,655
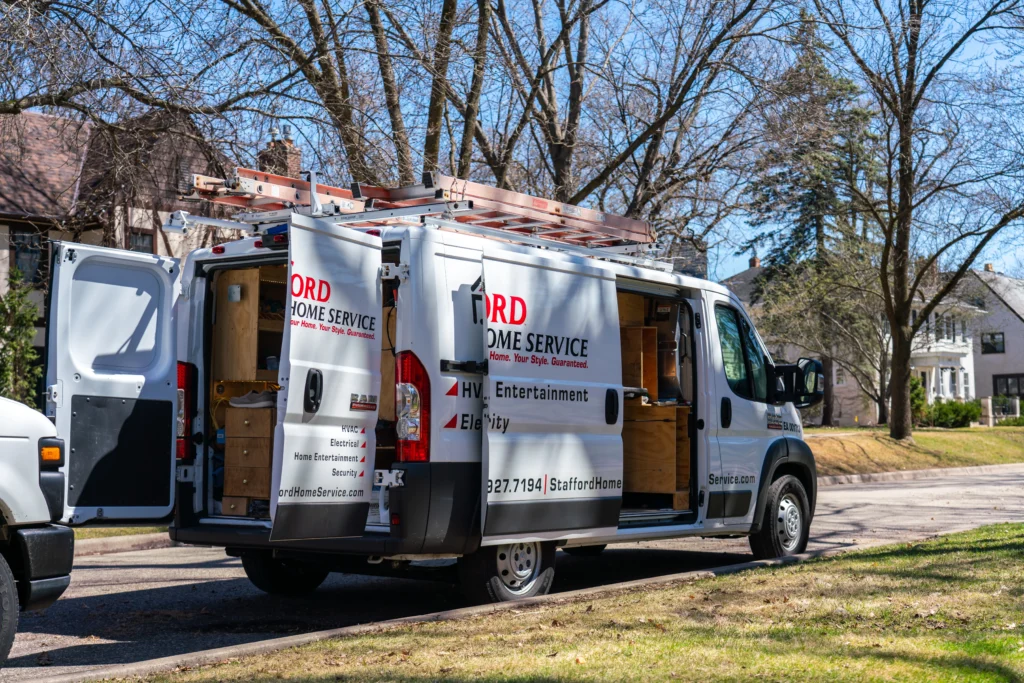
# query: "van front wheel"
8,610
786,525
501,573
282,577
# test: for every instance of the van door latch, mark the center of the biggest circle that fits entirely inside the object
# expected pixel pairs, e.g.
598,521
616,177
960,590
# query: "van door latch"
472,367
185,474
389,479
393,271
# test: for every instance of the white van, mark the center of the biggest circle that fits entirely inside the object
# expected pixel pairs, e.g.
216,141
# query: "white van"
364,391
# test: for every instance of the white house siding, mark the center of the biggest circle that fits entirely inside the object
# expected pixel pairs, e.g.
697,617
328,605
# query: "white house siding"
999,318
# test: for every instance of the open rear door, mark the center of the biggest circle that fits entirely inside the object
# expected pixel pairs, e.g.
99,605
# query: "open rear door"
111,376
552,451
330,383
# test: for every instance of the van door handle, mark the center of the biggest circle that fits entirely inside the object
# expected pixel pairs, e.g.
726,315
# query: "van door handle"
726,412
314,390
611,406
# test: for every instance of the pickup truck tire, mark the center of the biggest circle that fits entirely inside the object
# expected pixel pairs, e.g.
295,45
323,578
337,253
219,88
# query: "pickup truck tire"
585,550
503,573
282,577
787,521
8,610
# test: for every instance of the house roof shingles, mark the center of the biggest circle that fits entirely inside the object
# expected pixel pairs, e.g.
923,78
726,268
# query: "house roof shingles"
41,160
1007,289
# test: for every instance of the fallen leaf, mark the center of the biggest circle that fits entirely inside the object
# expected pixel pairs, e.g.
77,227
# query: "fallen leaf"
590,608
553,654
580,660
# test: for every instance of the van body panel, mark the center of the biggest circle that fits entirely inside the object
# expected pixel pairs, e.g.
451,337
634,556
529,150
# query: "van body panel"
552,457
112,378
324,441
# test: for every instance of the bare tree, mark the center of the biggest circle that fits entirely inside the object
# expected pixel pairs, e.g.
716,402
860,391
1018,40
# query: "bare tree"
954,172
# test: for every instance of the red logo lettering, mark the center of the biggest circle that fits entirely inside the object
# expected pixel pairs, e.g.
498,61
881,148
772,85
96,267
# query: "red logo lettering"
510,310
310,288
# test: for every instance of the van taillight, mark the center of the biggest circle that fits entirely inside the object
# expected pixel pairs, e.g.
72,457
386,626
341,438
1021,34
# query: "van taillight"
412,408
186,398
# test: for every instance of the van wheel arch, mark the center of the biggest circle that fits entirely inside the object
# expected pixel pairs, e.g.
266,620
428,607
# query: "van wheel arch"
786,456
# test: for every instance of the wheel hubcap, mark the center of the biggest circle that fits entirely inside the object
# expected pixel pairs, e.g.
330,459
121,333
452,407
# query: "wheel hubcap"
518,565
790,523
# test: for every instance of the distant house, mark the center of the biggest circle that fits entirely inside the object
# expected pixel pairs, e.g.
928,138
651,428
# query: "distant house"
943,357
999,334
62,179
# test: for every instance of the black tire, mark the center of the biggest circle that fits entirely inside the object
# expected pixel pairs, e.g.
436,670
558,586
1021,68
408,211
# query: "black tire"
781,533
283,577
585,550
489,575
8,610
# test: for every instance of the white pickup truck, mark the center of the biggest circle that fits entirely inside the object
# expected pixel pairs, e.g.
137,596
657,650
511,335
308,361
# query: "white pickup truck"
35,555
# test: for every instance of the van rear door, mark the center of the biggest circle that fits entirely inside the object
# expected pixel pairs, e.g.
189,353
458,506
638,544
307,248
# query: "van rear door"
330,383
552,444
111,376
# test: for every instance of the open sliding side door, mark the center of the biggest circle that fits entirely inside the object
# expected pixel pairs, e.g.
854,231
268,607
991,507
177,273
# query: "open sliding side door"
111,376
330,383
552,445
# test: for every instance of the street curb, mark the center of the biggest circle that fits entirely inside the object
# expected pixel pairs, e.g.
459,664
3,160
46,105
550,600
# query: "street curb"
217,655
122,544
911,475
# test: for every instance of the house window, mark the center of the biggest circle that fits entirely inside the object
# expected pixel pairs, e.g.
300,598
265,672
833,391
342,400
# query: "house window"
140,241
1008,385
967,384
992,342
840,376
26,253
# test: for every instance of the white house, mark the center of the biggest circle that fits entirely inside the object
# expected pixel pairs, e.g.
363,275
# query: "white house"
999,335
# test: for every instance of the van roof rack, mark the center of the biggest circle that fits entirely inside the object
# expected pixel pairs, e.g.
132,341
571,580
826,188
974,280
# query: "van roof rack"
471,204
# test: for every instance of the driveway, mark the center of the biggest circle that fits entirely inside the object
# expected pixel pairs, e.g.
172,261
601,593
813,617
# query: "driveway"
142,605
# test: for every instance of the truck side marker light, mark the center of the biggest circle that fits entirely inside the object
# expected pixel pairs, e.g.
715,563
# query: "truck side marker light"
451,423
49,454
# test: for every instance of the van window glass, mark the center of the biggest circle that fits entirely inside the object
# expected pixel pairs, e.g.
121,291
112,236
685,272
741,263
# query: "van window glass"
732,350
755,356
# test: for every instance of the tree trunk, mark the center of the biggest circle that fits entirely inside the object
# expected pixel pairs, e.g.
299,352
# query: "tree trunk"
475,88
403,150
438,86
900,421
827,401
883,388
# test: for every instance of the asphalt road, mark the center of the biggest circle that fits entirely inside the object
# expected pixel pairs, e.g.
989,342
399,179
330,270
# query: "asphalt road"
130,607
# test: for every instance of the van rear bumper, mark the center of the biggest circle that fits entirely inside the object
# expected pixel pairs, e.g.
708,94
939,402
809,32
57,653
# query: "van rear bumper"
438,511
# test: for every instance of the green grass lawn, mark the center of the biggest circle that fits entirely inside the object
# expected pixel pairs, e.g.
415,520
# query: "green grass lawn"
871,450
950,609
109,531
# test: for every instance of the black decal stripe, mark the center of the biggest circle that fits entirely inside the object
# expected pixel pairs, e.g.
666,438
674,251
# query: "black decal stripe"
551,515
297,521
729,504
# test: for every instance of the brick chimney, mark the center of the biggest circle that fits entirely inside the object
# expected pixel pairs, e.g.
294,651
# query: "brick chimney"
280,157
755,262
989,268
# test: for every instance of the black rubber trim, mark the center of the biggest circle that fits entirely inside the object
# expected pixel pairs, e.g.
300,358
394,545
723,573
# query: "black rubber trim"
43,552
52,486
551,515
729,503
302,521
41,593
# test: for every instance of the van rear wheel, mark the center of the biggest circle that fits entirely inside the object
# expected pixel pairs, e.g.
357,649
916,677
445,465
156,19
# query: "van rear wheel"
786,525
282,577
502,573
8,610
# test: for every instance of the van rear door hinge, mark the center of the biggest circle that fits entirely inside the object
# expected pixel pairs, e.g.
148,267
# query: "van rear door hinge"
392,271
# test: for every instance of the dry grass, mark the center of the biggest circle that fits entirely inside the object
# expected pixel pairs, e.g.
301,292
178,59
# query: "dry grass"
874,451
110,531
949,609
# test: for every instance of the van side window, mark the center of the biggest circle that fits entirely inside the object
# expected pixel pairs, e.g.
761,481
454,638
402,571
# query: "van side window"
732,351
755,356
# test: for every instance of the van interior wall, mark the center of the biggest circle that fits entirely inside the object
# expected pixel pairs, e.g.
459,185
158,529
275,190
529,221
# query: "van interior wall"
656,356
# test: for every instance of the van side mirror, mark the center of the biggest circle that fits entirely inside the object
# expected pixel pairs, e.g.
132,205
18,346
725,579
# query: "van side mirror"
802,383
